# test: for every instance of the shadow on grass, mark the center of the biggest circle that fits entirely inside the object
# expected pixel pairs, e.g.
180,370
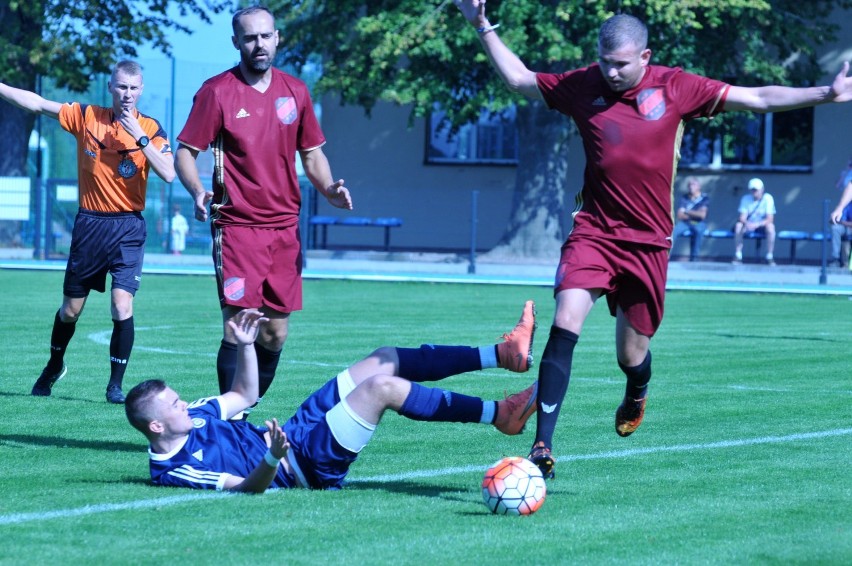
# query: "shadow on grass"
59,442
54,396
412,488
765,336
456,494
129,480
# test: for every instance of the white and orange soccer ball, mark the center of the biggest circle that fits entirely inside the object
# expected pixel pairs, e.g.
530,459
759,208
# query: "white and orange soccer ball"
513,486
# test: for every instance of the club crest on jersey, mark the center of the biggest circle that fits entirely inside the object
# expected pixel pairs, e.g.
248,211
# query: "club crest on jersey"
651,103
198,423
235,288
285,107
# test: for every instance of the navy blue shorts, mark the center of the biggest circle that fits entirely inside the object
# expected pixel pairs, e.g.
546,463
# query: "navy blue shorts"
323,461
101,243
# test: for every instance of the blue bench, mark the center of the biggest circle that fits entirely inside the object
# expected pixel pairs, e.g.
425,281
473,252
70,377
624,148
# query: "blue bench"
730,234
792,236
382,222
756,236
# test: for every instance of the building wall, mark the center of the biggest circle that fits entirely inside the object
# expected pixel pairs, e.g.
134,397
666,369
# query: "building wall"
382,161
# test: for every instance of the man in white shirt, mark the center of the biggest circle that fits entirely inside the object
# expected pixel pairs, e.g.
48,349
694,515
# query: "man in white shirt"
757,214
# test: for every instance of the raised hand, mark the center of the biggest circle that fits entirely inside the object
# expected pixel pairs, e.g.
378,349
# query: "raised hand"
472,10
278,443
130,124
841,88
246,325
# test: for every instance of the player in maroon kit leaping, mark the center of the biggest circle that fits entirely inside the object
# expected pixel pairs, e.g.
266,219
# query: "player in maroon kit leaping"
630,115
255,118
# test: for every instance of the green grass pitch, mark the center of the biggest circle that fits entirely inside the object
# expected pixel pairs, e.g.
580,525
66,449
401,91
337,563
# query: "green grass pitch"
744,456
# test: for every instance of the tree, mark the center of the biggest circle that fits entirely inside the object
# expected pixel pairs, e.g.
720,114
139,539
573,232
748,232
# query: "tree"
71,42
416,53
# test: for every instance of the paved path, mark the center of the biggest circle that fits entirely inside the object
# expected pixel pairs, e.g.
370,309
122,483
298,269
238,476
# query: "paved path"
404,266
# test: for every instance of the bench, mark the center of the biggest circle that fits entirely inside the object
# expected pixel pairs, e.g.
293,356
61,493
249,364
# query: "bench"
756,236
792,236
385,222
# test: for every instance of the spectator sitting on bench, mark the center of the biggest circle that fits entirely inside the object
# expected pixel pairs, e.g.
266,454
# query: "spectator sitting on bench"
841,221
691,215
757,214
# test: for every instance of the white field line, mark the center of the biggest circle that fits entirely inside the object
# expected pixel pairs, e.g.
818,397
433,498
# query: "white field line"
19,518
626,453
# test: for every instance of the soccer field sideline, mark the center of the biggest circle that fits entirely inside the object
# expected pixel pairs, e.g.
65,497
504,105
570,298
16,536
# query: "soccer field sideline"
705,276
20,518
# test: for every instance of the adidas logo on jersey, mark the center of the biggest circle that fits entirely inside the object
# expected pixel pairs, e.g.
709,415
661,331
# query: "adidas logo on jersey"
242,113
599,101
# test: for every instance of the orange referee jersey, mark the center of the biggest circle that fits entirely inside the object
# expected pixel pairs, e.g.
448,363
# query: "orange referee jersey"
112,171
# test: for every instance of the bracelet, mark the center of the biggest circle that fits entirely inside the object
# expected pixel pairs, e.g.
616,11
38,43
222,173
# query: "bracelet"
485,29
271,460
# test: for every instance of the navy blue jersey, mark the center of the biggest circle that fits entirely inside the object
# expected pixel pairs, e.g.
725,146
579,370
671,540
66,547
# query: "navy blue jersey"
214,450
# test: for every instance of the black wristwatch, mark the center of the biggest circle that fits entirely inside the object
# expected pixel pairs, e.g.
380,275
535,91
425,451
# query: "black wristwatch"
143,142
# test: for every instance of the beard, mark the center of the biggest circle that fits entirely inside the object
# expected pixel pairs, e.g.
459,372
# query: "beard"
258,67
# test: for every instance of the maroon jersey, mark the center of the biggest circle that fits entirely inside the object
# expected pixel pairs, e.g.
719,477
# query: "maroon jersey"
632,144
255,137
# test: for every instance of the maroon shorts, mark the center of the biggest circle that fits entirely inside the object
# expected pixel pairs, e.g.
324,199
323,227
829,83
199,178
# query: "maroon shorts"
258,267
632,276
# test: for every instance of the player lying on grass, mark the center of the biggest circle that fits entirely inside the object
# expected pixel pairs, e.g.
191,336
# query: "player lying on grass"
195,445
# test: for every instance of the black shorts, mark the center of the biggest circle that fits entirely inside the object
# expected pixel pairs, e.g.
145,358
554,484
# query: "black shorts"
101,243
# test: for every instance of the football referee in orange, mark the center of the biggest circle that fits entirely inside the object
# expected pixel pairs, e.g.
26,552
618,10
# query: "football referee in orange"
116,149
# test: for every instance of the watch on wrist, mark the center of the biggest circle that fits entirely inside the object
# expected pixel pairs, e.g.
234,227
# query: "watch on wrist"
143,142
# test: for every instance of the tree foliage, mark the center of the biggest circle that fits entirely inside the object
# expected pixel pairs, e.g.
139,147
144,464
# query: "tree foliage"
418,53
72,41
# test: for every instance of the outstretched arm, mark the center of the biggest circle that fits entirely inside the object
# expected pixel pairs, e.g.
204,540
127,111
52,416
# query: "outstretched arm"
29,101
509,67
244,390
845,199
318,172
781,98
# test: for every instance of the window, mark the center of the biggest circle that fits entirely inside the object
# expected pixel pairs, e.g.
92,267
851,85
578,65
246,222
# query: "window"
493,139
782,141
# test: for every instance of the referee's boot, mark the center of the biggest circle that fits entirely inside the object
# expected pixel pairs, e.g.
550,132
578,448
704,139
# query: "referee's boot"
45,381
114,394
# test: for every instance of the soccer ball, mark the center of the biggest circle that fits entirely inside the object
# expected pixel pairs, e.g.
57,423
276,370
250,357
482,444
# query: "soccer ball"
513,486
